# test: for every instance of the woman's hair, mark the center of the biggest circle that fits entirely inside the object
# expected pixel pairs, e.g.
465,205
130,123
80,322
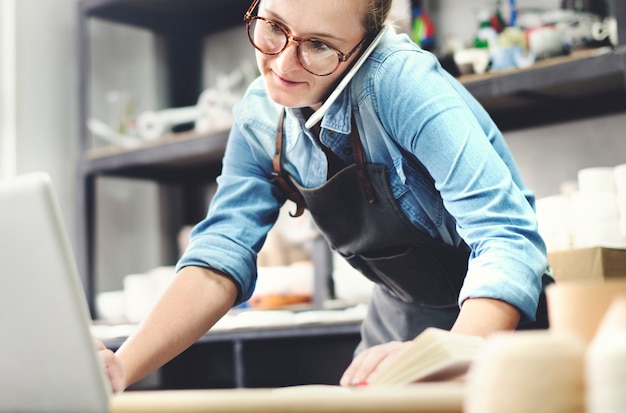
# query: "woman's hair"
376,14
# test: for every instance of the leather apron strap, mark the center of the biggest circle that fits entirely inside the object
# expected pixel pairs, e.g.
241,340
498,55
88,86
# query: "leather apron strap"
286,184
281,177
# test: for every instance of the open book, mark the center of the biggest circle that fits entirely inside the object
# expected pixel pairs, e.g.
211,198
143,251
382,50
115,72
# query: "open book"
434,355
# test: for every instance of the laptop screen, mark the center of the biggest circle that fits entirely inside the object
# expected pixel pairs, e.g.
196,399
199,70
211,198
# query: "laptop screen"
48,361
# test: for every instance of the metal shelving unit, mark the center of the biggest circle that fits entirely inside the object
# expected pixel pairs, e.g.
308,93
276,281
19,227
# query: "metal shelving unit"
185,160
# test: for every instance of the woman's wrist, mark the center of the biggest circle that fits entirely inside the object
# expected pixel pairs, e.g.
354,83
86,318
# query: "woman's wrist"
484,316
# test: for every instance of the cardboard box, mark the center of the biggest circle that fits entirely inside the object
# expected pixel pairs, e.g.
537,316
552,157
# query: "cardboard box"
596,263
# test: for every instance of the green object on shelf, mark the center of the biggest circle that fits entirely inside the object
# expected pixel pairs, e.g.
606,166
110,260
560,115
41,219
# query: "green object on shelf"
423,29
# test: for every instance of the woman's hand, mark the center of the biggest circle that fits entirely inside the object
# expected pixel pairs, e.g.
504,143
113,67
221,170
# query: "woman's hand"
365,365
113,366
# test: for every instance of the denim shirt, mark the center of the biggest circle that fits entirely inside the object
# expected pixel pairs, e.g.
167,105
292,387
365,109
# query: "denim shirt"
450,171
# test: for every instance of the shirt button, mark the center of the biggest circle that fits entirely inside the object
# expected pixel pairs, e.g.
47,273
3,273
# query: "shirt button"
331,132
347,151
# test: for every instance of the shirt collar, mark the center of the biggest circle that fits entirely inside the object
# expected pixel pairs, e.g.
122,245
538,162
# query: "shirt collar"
339,114
337,118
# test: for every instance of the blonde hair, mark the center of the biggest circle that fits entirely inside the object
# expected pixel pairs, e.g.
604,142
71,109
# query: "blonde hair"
376,14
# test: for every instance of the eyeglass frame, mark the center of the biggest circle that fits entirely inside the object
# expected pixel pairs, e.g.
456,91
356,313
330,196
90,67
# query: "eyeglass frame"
341,57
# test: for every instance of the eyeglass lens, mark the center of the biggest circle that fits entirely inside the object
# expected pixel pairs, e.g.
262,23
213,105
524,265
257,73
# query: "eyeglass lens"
315,56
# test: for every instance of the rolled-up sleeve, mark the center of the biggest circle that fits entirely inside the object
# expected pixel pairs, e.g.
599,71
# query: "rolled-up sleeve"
456,142
244,208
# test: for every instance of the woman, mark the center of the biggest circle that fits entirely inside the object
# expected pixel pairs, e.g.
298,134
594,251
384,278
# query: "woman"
406,176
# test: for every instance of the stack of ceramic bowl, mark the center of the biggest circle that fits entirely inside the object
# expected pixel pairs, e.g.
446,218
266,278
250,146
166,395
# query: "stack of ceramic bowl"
595,217
553,217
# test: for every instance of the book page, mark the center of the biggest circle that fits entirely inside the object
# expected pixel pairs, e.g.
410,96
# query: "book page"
434,355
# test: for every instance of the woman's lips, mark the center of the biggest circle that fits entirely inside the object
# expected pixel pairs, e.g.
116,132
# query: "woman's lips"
285,82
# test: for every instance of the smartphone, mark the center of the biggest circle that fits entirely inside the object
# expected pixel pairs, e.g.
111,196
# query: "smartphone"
318,114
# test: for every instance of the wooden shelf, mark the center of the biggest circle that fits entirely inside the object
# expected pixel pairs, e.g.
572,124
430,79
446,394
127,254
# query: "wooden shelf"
165,15
562,70
585,83
183,157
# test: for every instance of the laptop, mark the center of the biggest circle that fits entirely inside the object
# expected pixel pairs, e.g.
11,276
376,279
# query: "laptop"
48,360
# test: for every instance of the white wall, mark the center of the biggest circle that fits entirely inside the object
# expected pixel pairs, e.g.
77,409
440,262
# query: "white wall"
551,155
7,89
38,88
39,122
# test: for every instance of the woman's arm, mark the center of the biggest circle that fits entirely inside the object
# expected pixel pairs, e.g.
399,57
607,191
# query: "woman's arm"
478,317
219,265
483,316
197,298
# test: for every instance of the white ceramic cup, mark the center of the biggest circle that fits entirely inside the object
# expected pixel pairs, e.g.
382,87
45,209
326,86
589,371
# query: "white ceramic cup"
595,234
110,305
594,206
620,178
140,294
605,29
546,41
527,371
578,306
596,179
605,366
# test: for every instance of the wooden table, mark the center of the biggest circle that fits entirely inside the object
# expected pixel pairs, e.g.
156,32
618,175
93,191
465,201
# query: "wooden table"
427,398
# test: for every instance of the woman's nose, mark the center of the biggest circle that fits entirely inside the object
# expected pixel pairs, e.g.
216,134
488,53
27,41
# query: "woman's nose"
288,59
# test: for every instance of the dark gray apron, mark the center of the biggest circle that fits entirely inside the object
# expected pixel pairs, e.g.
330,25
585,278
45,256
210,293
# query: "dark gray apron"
418,278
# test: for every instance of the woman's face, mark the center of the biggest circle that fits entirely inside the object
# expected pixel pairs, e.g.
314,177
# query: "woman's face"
337,22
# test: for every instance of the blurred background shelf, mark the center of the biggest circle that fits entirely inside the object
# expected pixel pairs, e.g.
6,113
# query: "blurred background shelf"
183,157
586,82
583,84
201,16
